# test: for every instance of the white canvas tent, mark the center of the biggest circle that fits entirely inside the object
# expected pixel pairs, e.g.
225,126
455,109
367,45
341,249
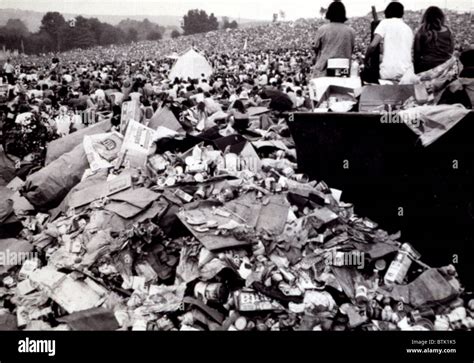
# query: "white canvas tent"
192,65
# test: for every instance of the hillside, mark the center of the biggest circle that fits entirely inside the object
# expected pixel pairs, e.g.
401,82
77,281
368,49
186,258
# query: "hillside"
32,19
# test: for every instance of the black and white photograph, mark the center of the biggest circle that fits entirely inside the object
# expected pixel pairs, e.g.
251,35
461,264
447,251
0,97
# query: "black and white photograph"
202,172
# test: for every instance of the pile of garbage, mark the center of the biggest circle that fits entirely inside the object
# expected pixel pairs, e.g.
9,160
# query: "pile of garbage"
147,228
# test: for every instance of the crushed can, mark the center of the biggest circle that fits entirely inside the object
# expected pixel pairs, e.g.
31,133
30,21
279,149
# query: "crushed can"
158,163
196,168
249,300
241,323
213,292
361,296
270,184
300,178
419,314
226,195
200,193
185,197
374,312
468,323
425,323
261,326
380,265
470,305
441,323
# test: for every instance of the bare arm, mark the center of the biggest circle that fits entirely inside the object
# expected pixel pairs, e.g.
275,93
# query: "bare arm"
317,43
451,47
417,49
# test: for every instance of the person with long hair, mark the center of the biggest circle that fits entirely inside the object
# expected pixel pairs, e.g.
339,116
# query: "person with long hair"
434,41
333,40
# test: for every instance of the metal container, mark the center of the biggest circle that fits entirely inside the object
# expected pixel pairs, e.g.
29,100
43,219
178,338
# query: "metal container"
361,295
388,168
214,292
400,265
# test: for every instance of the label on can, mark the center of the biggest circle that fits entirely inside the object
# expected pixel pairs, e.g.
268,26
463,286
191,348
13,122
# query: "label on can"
200,193
210,292
196,168
361,295
398,269
215,292
249,300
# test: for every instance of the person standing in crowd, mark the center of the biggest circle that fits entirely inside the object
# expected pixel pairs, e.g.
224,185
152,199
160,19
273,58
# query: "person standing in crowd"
434,41
397,38
55,68
9,70
333,40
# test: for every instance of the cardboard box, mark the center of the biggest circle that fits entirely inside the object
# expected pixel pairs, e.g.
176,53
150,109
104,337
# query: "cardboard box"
378,98
130,111
137,143
318,86
341,93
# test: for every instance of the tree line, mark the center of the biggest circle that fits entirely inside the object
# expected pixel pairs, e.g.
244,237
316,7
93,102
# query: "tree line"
198,21
58,34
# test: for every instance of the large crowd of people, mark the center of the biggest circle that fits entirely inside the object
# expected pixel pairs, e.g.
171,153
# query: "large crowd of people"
204,132
247,61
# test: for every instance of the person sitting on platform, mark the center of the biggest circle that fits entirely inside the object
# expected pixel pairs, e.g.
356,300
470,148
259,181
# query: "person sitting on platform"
397,38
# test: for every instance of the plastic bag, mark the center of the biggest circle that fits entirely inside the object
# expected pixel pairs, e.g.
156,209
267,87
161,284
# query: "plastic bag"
59,147
47,187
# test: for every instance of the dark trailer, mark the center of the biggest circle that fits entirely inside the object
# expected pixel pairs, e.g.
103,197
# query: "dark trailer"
425,192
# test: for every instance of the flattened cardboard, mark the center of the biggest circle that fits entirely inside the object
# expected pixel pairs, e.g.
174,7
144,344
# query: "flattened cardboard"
273,216
8,322
140,198
165,118
243,211
373,98
73,295
96,319
100,190
124,210
342,94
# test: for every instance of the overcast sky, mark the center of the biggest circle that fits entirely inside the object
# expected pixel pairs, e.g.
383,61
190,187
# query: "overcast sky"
250,9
